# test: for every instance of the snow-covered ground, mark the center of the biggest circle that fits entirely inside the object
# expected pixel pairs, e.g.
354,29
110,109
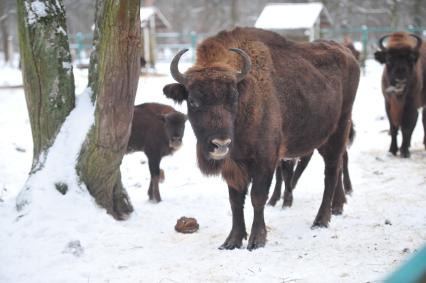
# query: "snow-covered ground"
69,239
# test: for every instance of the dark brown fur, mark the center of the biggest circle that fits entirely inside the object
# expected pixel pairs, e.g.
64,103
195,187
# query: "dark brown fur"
403,62
289,172
296,98
157,130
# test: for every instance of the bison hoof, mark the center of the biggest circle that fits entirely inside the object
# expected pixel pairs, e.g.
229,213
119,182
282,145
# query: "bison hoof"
230,246
319,225
321,221
337,210
405,153
393,151
234,240
288,200
254,246
273,201
349,191
257,239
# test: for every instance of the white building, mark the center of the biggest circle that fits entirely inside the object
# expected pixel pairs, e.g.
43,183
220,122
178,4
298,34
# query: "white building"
151,21
297,21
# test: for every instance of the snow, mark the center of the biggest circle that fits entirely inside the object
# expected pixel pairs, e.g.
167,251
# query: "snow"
36,10
10,76
67,238
59,168
289,15
61,30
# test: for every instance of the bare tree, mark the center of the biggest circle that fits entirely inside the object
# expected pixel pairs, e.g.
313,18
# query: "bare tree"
114,75
49,90
47,72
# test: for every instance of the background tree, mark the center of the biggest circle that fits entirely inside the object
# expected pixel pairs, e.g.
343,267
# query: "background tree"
113,78
114,74
47,72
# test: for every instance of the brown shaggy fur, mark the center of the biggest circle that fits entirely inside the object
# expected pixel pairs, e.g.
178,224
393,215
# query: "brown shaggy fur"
403,86
157,130
296,98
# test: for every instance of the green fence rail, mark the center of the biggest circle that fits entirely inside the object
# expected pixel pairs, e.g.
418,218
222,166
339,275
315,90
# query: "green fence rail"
81,44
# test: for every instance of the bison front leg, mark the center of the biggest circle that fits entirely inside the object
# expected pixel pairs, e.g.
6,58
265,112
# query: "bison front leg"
408,124
393,131
154,169
394,142
238,231
259,195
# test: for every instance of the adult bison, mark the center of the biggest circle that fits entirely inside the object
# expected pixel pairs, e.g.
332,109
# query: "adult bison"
403,85
288,99
157,130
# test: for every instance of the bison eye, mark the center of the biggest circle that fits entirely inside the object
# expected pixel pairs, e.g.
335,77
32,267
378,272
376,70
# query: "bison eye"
193,103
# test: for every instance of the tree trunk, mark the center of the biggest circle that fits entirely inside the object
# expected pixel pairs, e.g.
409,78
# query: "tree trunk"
113,78
47,71
417,15
4,31
234,13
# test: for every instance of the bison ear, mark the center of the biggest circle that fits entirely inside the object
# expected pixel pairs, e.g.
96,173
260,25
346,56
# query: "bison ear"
176,91
380,56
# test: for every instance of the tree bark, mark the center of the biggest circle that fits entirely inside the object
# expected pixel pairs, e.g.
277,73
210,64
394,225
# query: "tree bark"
113,78
47,71
4,31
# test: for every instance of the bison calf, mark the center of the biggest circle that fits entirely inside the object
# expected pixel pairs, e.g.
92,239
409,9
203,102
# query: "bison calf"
157,130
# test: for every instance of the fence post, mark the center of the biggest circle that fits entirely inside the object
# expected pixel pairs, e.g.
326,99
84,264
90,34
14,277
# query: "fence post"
193,44
79,38
364,39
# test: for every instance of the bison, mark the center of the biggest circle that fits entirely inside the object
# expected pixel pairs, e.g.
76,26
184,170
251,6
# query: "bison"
348,43
255,98
290,171
403,86
157,130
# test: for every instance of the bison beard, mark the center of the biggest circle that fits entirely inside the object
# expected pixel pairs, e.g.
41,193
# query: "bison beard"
265,98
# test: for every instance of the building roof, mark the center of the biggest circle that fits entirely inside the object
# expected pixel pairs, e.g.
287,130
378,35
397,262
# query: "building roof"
291,15
160,19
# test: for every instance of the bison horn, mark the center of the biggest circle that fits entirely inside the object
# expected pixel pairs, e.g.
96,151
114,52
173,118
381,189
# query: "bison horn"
174,70
419,41
381,41
246,66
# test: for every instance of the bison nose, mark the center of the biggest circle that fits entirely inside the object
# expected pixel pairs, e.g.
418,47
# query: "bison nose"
221,148
175,142
221,143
